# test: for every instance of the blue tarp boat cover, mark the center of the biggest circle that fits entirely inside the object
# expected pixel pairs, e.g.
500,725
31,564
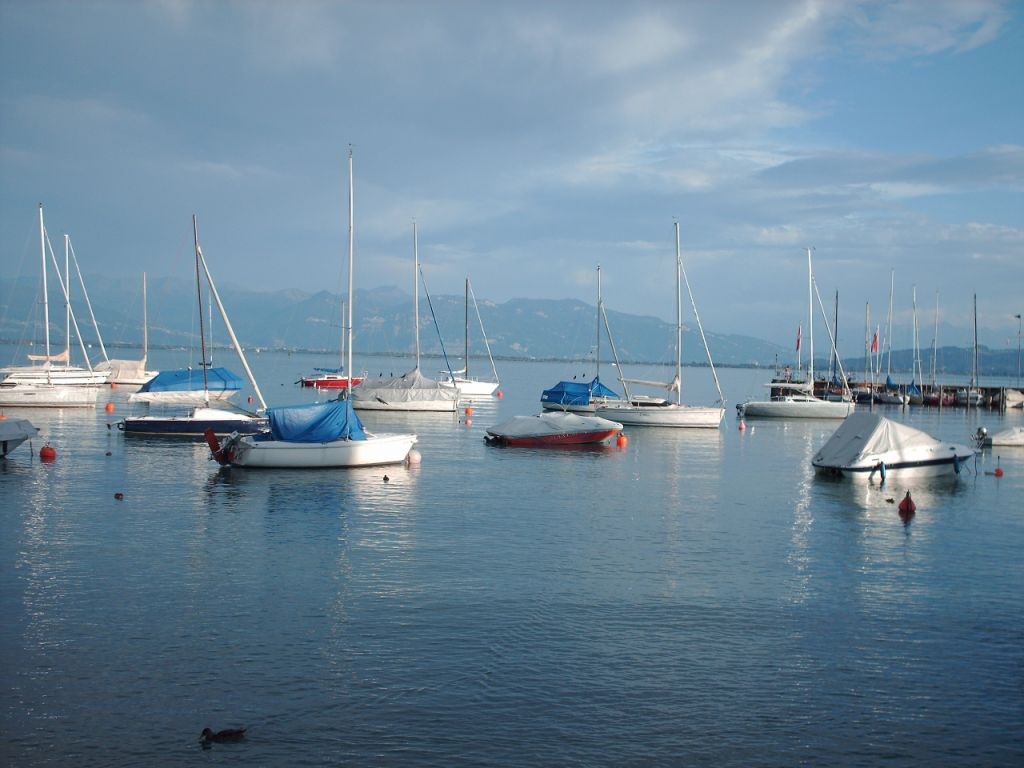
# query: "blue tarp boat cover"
191,380
316,422
576,392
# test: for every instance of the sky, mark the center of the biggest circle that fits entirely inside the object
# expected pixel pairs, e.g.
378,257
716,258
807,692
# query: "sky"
533,141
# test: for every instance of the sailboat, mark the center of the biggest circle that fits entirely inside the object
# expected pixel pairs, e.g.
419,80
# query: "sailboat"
54,382
412,391
129,372
461,379
891,393
971,395
317,435
199,420
333,378
192,386
582,396
796,400
645,410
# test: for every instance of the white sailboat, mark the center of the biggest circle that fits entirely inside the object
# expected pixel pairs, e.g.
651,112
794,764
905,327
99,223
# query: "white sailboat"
129,372
319,435
412,391
645,410
796,400
199,420
971,395
461,379
52,381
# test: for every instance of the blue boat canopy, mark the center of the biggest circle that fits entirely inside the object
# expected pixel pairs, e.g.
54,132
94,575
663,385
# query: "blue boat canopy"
191,380
316,422
576,392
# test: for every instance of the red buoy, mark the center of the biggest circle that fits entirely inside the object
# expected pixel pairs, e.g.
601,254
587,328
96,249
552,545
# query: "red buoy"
907,508
47,453
110,407
498,394
622,441
469,410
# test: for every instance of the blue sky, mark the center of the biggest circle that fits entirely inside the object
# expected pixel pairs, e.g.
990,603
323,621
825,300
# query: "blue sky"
532,141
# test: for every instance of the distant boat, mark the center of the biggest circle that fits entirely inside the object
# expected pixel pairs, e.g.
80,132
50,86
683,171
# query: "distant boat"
333,378
14,432
129,372
869,445
552,428
193,386
51,381
412,391
461,379
199,420
317,435
644,410
796,399
582,396
1012,437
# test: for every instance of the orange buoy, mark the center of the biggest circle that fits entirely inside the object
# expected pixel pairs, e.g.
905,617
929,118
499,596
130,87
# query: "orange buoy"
113,385
469,410
998,472
110,407
47,453
622,441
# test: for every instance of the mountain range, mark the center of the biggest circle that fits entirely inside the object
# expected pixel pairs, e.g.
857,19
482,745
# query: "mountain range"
383,324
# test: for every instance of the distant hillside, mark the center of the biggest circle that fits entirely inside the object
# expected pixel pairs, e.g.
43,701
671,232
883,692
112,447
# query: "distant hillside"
519,328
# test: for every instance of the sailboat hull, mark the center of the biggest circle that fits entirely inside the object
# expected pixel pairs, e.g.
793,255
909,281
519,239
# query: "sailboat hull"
47,396
470,386
279,454
664,414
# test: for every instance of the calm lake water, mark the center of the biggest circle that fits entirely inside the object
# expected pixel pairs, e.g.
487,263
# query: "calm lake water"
692,599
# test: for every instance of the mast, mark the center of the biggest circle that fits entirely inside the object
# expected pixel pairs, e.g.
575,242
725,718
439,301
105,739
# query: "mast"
466,358
935,340
700,327
351,243
679,320
145,324
67,301
597,348
867,338
416,291
199,299
888,328
810,323
46,302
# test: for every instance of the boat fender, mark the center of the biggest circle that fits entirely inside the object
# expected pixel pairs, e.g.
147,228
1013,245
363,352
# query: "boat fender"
956,463
881,470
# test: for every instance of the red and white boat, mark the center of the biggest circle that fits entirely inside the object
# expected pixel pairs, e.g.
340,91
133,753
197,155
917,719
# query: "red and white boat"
553,428
331,379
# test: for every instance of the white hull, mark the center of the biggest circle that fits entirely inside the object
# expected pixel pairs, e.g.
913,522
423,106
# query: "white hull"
470,386
14,432
911,469
63,376
668,415
435,406
795,408
187,397
277,454
47,396
1009,438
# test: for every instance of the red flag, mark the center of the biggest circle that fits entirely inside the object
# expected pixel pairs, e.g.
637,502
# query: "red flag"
798,331
874,342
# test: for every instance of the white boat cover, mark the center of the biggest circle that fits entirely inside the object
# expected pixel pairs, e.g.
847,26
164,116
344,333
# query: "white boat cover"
16,430
1012,437
866,437
412,389
551,423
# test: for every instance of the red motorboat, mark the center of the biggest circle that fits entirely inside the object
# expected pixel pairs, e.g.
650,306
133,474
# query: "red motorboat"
553,428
